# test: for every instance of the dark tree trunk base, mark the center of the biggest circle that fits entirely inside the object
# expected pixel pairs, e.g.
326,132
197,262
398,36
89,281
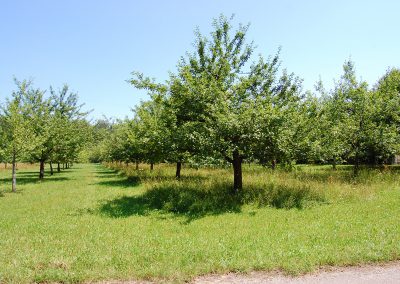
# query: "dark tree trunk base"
237,172
273,164
14,174
178,170
41,171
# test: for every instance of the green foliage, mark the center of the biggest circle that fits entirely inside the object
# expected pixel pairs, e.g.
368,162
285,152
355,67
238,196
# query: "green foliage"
385,118
17,122
218,106
36,128
357,125
68,127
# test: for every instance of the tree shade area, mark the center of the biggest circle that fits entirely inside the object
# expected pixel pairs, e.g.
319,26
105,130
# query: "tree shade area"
222,106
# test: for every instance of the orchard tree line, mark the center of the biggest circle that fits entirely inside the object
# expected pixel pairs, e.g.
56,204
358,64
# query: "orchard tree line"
225,105
222,106
41,129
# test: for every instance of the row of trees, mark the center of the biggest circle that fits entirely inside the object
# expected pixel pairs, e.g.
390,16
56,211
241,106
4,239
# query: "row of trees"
222,105
39,129
219,107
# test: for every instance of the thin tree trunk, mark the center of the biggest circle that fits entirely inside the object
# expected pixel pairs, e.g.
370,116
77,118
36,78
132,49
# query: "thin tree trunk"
356,167
41,171
273,164
14,173
151,166
63,166
334,164
58,167
178,169
237,172
5,165
51,168
137,165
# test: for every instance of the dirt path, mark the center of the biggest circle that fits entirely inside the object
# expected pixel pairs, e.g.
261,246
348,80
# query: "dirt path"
386,273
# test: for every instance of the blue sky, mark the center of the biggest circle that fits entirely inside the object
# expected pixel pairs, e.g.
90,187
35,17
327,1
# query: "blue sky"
95,45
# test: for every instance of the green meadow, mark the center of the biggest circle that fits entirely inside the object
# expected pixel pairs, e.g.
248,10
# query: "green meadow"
96,222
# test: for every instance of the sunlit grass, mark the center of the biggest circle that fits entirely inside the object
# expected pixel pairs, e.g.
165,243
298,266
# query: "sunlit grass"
91,223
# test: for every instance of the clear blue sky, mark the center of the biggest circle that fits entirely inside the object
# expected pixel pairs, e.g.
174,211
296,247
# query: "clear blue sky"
95,45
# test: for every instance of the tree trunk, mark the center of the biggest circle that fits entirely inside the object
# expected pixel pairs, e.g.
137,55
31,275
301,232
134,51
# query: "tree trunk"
356,168
151,166
41,171
63,166
237,172
334,164
178,169
58,167
273,164
51,168
5,165
14,173
137,165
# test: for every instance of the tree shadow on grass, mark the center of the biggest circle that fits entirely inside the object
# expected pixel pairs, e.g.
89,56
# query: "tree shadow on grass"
120,182
194,201
22,180
188,202
106,173
118,179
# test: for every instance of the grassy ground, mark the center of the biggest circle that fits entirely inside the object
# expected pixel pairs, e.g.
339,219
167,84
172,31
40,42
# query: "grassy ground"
90,223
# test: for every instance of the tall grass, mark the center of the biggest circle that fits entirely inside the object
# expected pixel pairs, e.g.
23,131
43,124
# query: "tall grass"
303,186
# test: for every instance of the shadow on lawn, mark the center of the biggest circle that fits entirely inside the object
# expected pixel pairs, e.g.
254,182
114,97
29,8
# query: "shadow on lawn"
22,180
120,182
115,178
106,173
189,202
196,201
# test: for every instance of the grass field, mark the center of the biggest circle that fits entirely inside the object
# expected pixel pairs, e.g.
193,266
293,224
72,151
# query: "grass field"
92,223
